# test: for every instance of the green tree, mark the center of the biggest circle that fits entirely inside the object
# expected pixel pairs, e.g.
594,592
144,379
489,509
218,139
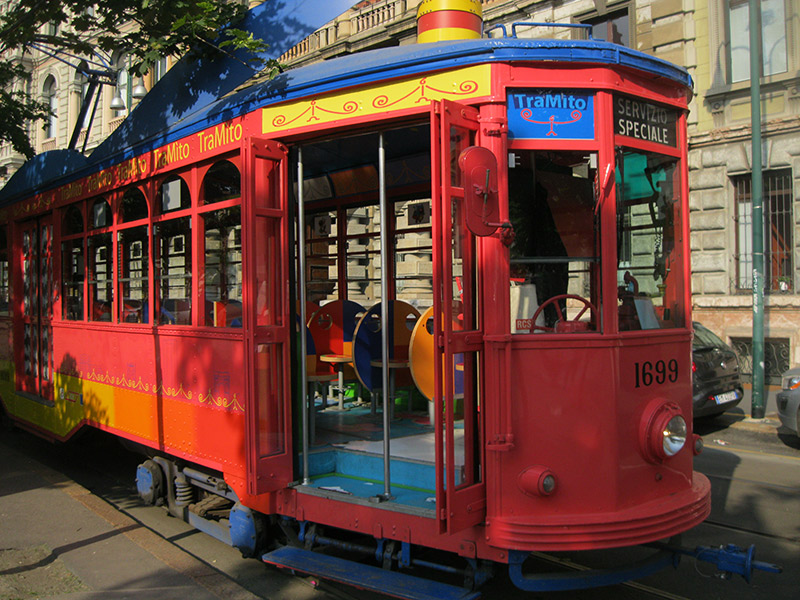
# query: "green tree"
79,28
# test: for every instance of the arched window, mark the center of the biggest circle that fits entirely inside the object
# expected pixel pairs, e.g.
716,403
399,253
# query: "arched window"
173,195
101,214
73,221
222,182
133,206
49,91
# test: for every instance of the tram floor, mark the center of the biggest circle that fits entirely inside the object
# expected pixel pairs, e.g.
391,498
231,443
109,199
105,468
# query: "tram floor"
347,457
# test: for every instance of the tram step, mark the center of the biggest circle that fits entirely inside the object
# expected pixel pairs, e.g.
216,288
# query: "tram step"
392,583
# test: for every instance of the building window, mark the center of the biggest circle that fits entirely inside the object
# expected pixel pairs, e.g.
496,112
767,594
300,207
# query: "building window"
49,91
122,88
773,38
778,243
610,25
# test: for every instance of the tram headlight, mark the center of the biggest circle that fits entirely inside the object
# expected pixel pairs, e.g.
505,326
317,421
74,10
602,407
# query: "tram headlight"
674,435
663,431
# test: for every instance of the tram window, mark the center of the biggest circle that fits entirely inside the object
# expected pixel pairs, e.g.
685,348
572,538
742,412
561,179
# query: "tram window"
72,263
223,267
649,270
173,194
4,275
133,206
555,262
222,182
72,224
101,214
72,279
173,276
132,245
100,253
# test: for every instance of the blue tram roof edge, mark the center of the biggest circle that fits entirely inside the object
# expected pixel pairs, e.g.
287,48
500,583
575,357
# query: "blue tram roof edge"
48,170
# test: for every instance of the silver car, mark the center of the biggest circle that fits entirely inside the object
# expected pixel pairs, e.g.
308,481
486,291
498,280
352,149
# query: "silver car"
789,400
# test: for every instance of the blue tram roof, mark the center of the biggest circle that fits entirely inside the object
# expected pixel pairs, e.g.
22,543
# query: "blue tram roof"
134,137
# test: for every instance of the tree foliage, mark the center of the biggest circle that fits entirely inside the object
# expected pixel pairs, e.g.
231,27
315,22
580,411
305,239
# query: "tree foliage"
85,28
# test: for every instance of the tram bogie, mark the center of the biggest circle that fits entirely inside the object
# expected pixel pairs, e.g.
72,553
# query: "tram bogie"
442,304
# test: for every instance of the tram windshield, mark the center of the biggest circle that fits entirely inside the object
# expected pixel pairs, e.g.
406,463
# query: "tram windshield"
648,225
555,256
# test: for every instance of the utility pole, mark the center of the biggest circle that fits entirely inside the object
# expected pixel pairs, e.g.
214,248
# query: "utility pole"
757,410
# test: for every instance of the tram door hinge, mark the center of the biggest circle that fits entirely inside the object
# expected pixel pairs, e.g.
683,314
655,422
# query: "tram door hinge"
501,442
494,126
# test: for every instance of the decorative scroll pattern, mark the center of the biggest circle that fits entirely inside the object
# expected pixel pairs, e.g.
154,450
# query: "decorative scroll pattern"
777,354
179,393
471,82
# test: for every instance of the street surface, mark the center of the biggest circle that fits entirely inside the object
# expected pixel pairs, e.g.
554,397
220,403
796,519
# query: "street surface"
754,470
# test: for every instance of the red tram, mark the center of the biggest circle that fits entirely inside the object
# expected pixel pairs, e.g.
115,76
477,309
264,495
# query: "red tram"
482,245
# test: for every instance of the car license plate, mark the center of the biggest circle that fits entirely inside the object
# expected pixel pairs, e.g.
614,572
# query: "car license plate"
726,397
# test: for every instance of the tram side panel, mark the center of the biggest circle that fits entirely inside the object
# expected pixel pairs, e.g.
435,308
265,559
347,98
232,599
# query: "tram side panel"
180,393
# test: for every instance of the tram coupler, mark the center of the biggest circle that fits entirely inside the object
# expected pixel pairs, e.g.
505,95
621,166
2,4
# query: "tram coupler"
729,559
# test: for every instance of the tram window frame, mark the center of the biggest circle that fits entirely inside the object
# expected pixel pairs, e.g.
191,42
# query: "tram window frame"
223,310
135,225
73,262
178,243
584,282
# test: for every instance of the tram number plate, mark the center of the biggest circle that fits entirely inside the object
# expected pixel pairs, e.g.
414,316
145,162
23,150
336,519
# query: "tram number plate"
726,397
657,372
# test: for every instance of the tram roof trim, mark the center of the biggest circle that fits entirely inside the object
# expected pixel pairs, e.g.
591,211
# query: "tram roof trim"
319,78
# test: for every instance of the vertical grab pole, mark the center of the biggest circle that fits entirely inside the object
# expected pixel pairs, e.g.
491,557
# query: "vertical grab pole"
384,208
301,283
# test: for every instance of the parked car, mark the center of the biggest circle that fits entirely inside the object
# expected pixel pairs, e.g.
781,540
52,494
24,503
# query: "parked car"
716,383
789,400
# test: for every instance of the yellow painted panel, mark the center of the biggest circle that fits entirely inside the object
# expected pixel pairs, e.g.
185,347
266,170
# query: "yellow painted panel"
459,84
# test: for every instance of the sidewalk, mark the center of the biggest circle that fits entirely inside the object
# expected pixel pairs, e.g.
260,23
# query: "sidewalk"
769,423
60,542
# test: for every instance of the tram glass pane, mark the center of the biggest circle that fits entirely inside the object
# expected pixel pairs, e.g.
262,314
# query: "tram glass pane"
72,274
556,244
133,206
4,279
30,289
133,277
269,391
465,366
222,182
172,242
268,296
100,253
649,270
223,267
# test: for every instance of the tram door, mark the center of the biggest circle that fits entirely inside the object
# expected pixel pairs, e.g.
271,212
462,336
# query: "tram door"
265,246
460,489
35,365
